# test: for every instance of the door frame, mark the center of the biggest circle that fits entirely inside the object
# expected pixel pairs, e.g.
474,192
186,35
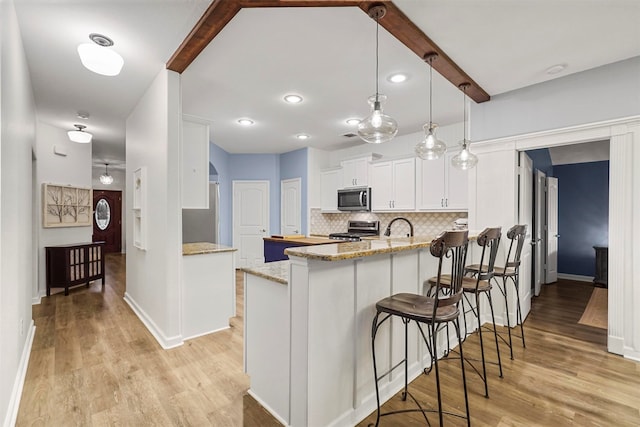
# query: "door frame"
624,263
539,240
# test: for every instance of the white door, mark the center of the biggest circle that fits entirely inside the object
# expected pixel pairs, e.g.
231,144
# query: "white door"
540,255
290,206
552,230
525,216
250,221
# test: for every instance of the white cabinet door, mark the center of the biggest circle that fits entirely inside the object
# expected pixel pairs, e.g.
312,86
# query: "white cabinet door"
355,172
381,186
456,186
393,185
195,165
330,181
404,185
430,177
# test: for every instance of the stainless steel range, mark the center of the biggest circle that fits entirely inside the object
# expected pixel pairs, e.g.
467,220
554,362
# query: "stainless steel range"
358,229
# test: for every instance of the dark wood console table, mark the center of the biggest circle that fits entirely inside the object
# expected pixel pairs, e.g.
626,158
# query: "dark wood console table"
602,266
74,264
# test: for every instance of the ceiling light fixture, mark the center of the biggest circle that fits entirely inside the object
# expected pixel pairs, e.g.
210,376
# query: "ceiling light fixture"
98,58
378,127
302,136
397,78
556,69
79,135
353,122
430,147
293,99
465,159
245,122
105,178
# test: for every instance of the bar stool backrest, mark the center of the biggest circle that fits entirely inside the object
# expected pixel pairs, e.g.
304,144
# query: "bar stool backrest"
489,240
453,245
516,234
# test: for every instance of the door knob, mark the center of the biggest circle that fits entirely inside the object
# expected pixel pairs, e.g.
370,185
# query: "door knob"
263,230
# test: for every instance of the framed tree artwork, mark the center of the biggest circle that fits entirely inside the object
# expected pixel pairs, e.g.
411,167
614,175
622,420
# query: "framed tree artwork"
66,206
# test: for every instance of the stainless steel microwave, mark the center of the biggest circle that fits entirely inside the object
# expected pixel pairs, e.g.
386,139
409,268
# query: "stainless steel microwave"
354,199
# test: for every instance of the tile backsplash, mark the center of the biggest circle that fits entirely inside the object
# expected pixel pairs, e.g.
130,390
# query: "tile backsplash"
424,223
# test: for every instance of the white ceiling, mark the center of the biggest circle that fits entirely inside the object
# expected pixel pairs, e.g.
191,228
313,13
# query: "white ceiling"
597,151
324,54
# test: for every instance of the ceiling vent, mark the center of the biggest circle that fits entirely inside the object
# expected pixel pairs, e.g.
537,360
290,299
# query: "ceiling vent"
350,134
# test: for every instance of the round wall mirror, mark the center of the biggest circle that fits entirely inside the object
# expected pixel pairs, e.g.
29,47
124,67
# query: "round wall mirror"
102,214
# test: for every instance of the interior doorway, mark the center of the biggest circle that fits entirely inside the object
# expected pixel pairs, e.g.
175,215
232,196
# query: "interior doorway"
107,219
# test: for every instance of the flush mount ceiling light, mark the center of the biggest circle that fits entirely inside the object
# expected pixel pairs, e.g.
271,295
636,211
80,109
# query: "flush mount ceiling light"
556,69
79,135
302,136
353,122
245,122
105,178
430,147
465,159
98,57
378,127
293,99
397,78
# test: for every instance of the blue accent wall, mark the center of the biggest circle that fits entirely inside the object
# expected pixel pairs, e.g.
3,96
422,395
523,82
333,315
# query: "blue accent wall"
583,215
541,160
294,164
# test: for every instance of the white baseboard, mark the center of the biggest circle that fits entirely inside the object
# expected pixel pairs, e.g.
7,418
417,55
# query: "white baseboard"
16,393
165,342
575,277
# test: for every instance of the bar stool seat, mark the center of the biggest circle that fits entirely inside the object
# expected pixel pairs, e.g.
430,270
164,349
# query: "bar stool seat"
417,307
468,283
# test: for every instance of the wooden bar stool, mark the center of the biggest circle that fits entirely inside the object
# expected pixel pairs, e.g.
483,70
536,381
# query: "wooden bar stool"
509,273
436,312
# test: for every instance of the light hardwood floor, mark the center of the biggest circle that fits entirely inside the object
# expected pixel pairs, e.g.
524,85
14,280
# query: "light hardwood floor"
93,363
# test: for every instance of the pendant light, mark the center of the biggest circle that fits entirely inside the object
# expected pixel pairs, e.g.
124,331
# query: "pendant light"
79,135
465,159
105,178
378,127
430,148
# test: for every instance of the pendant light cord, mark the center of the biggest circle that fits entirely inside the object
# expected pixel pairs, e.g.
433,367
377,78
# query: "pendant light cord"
430,93
377,30
464,101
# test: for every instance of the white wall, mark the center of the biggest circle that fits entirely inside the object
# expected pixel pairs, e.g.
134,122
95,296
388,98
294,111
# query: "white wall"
17,138
153,275
73,169
608,92
119,184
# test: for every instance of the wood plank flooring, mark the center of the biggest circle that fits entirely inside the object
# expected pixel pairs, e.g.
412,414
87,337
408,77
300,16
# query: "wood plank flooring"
93,363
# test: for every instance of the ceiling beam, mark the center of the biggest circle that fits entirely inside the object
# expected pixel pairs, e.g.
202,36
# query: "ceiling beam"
221,12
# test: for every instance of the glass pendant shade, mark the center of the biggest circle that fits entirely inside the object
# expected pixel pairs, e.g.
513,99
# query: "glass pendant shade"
100,60
79,135
378,127
465,159
105,178
430,148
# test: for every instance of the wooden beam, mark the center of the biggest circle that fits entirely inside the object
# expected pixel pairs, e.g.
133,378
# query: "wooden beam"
221,12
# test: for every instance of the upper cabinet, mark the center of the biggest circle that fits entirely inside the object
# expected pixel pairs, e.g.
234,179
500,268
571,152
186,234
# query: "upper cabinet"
355,172
330,182
195,165
441,186
393,185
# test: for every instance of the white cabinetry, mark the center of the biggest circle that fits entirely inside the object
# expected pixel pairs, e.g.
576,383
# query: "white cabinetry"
440,186
355,172
393,185
195,165
330,181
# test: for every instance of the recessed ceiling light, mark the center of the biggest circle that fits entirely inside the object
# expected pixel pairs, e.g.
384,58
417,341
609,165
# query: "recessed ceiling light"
293,99
245,122
555,69
397,78
353,122
83,115
302,136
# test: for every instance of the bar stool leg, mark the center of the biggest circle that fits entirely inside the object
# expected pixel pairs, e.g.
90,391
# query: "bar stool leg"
464,378
434,339
374,331
495,333
506,306
484,367
516,282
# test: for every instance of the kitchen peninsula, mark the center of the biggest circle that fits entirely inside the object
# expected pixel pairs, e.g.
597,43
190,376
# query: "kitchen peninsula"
308,328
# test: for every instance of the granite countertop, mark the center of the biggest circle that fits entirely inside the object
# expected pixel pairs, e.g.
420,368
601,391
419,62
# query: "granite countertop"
350,250
302,240
277,271
200,248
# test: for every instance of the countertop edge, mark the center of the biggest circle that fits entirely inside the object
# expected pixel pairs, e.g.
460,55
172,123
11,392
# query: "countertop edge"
203,248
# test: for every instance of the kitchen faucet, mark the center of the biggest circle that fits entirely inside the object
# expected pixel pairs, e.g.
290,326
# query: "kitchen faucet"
388,230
